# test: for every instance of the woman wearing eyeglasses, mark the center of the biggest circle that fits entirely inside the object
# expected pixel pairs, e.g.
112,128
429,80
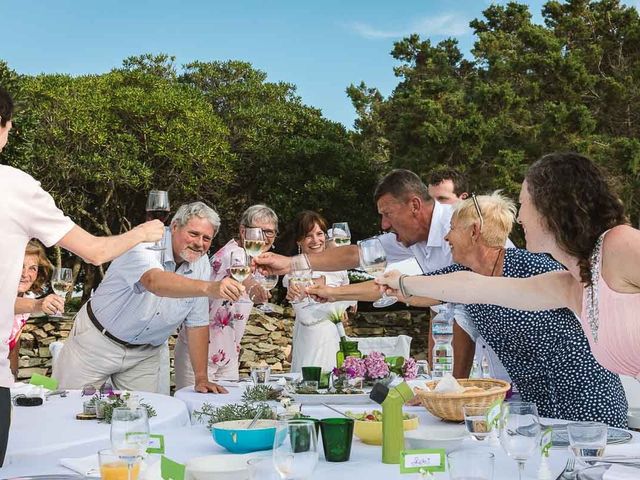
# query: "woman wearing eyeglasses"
546,353
567,210
227,320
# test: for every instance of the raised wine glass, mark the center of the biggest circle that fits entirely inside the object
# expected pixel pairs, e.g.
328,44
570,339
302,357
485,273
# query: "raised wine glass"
61,283
374,261
340,234
254,241
301,275
129,435
520,431
268,282
158,209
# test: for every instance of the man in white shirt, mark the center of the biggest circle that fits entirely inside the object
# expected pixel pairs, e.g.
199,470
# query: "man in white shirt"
27,211
145,295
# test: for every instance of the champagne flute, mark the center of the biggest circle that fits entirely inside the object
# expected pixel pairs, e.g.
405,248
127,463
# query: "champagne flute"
61,283
268,282
295,449
340,234
374,261
158,209
520,431
130,435
254,241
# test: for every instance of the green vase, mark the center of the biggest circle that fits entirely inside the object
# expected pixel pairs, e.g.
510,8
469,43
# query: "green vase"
347,349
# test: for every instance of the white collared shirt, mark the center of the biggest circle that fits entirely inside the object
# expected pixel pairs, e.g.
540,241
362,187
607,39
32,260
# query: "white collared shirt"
127,310
431,254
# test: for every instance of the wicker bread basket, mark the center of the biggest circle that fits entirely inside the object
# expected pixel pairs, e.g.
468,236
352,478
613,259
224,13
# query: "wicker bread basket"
448,406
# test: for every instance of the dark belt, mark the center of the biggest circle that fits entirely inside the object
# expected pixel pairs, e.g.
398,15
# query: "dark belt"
104,331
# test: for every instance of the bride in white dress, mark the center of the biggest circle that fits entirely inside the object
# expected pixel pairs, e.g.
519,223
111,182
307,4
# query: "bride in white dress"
315,336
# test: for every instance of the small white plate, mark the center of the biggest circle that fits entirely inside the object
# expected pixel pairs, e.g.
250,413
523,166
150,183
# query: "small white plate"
332,398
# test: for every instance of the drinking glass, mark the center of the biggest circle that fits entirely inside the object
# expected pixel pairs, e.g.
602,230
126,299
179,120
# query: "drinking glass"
519,431
587,440
295,449
475,419
340,234
301,274
374,261
129,435
268,282
337,436
158,209
260,375
113,467
254,241
61,283
470,464
239,268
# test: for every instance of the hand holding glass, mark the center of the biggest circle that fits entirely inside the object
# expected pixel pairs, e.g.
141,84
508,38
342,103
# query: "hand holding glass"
158,209
61,283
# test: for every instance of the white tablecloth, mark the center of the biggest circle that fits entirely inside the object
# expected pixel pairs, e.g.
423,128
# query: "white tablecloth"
188,442
51,431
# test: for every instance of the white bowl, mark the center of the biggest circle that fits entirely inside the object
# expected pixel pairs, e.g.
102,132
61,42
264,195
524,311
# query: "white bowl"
449,437
218,467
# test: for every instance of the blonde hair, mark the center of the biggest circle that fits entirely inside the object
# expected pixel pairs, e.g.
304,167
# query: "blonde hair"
498,214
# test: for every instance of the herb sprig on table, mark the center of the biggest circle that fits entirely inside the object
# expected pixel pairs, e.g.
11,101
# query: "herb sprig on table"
260,393
233,411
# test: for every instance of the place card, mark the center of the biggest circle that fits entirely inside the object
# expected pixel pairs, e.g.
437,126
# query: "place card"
424,460
156,444
170,470
493,414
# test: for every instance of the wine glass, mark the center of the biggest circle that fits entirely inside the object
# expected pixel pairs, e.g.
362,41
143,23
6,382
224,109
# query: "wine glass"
340,234
254,241
295,449
61,283
519,431
158,209
240,267
130,435
301,275
374,261
268,282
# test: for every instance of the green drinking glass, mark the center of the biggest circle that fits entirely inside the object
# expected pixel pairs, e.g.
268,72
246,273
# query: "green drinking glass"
311,373
337,435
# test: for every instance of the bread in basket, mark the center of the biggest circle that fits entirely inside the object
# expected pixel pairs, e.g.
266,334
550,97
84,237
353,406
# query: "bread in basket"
448,406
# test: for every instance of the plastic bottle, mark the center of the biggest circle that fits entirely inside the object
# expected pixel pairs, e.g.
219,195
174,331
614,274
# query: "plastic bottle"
486,372
475,370
442,331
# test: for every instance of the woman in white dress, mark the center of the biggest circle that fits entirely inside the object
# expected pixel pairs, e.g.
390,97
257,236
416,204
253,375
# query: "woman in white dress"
315,336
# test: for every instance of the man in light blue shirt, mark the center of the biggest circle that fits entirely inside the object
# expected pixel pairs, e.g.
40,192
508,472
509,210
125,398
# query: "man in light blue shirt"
145,295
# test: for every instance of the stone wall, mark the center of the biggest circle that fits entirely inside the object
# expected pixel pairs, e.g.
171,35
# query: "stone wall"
267,337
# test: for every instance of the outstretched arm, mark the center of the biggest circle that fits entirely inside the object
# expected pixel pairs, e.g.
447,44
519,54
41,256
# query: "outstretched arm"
542,292
331,260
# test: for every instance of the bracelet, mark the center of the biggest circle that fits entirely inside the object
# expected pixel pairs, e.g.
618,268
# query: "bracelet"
402,288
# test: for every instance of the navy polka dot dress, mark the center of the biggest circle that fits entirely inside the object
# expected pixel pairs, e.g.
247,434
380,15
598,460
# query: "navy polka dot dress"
546,353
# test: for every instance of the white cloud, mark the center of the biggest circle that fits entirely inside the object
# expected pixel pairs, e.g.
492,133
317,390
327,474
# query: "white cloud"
447,24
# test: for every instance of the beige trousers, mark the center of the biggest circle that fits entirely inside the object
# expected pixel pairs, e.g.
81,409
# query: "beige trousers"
90,358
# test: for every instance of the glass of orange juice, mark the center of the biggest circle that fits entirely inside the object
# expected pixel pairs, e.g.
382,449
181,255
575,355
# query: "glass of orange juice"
114,466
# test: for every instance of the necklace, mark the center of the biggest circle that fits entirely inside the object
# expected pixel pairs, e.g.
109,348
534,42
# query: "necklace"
495,264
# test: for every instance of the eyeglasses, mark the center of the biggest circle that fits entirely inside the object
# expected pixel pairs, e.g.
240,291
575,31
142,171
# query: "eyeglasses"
477,205
106,389
267,232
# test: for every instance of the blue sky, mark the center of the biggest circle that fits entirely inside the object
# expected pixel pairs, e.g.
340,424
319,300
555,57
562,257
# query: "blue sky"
321,46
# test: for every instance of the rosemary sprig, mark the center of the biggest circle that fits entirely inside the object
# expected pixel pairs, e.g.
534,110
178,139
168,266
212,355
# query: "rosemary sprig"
260,393
232,411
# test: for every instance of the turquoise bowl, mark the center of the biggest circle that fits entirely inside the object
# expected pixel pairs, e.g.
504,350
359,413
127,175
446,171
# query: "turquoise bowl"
234,436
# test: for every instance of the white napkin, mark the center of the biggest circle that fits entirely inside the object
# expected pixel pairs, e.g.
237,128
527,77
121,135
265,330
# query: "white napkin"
626,449
621,472
20,388
87,466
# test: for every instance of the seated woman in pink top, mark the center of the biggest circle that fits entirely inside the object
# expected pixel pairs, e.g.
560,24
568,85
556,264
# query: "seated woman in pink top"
567,210
36,270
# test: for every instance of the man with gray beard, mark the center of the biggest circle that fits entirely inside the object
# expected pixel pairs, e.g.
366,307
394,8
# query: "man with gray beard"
145,295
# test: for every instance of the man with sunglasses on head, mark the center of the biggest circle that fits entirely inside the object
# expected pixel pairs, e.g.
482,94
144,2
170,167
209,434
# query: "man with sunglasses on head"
144,297
29,212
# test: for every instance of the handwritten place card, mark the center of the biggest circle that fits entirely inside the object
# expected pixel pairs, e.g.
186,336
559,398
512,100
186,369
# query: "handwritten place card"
156,444
415,461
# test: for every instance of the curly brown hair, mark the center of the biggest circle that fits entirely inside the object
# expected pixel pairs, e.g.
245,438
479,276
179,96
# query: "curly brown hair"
572,195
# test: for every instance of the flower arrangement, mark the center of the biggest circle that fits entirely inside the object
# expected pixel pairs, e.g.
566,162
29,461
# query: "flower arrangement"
376,366
119,400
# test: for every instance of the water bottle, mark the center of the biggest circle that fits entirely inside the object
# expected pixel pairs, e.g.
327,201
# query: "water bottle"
442,331
486,371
